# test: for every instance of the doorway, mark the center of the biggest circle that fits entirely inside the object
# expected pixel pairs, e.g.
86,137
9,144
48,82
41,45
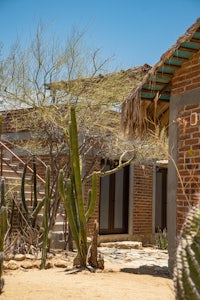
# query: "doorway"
161,199
114,199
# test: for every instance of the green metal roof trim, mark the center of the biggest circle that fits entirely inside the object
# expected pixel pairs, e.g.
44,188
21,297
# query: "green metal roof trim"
160,76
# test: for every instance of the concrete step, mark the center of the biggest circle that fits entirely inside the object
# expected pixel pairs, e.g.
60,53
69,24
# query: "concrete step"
57,240
10,177
60,218
59,226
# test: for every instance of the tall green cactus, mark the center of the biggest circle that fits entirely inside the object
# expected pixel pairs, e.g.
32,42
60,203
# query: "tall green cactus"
3,220
72,196
31,215
45,225
187,267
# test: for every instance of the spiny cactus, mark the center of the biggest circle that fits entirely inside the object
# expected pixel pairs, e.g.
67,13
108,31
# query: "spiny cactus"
3,221
45,225
187,267
31,215
72,196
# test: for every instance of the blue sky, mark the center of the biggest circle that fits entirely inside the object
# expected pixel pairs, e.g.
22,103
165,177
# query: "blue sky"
134,31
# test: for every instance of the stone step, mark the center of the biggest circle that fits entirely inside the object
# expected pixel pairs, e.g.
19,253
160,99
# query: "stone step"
59,226
122,245
10,177
57,240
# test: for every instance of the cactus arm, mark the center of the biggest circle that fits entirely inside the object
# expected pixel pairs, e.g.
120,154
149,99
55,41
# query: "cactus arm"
3,198
34,183
74,153
45,219
3,219
37,209
92,195
3,222
72,203
72,215
66,195
23,189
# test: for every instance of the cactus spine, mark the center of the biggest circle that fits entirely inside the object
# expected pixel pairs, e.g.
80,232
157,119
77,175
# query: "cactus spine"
45,226
3,220
187,268
72,196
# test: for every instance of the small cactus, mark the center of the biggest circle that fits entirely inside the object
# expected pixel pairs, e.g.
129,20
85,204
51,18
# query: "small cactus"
31,215
45,226
3,221
187,267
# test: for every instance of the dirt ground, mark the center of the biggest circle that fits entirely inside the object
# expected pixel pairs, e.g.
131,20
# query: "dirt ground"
114,282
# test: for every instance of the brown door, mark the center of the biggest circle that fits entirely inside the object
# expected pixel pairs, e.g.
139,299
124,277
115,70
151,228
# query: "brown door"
114,194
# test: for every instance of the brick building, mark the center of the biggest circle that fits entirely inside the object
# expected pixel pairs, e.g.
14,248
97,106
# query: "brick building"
131,204
170,97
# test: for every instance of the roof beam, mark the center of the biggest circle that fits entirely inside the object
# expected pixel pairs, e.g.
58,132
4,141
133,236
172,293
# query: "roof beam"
172,65
195,40
164,74
183,59
188,49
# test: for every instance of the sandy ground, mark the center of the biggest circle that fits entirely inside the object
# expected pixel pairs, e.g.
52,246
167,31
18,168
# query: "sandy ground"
114,282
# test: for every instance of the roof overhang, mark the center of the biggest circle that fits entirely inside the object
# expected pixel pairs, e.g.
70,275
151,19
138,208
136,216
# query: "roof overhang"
151,98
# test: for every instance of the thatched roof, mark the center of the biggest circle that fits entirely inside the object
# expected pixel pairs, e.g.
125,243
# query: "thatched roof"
147,105
109,88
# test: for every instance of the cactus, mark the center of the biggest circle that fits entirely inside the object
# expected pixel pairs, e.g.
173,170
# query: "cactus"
31,215
35,201
187,267
45,226
23,198
72,196
3,221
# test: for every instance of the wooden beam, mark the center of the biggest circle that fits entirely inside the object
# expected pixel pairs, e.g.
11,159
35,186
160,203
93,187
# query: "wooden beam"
188,49
183,59
195,40
171,65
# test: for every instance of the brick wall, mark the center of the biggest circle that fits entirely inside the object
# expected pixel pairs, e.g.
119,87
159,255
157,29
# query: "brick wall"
188,77
188,161
142,199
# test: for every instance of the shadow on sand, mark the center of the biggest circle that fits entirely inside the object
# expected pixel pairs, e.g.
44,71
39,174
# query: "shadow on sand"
153,270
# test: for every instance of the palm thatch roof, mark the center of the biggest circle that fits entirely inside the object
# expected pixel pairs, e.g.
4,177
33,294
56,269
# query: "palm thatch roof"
111,88
147,105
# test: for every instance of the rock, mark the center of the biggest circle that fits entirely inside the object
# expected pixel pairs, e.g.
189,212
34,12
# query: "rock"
50,255
8,257
12,265
60,263
27,265
49,265
19,257
30,256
